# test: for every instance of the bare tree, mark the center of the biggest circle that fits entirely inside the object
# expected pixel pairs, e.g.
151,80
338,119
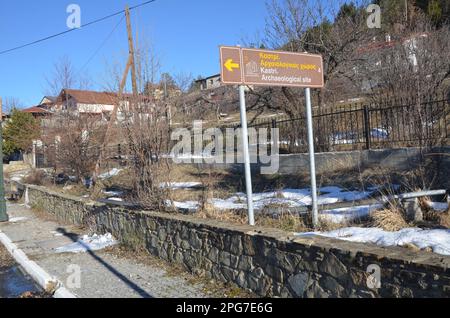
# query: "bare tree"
10,103
308,26
146,128
72,142
63,76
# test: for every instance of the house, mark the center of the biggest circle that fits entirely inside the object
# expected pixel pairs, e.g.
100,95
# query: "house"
38,112
210,82
85,102
98,104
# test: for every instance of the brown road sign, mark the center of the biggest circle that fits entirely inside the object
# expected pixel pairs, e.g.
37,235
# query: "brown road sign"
271,68
230,61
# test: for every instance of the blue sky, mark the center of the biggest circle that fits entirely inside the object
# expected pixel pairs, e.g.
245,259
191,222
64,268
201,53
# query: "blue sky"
185,33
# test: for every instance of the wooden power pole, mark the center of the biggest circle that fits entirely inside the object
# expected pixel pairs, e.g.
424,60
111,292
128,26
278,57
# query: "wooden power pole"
130,66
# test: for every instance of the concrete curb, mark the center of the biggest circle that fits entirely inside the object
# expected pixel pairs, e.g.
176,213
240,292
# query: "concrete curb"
41,277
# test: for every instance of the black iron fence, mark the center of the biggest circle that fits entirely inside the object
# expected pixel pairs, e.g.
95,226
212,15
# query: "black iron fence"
390,123
386,124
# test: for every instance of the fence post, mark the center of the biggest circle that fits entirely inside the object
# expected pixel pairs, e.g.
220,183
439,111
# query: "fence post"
367,126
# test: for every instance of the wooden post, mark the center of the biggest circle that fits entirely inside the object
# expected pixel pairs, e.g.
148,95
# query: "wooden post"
131,51
130,65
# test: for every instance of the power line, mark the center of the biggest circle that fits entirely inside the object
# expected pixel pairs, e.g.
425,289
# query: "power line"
71,30
101,45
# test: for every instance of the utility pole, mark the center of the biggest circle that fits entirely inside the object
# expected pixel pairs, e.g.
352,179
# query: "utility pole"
406,10
3,214
130,65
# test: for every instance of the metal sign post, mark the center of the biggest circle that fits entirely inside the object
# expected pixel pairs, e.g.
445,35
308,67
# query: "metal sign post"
248,174
312,158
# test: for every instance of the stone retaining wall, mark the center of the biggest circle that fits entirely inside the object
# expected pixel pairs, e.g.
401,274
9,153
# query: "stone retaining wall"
267,262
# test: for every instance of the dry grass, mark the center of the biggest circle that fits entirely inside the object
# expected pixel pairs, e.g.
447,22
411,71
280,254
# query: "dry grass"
440,218
284,221
36,177
390,220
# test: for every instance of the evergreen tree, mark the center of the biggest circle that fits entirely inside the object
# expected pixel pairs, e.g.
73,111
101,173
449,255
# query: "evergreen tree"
19,132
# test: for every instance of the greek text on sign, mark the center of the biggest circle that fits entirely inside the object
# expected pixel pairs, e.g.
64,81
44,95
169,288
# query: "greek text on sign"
271,68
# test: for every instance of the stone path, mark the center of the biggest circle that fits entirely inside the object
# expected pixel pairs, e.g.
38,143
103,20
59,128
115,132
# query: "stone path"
104,274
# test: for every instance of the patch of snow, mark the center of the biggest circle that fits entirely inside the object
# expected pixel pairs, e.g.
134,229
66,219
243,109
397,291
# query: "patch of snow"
110,174
17,219
88,243
113,193
438,206
292,198
187,205
437,240
342,215
180,185
116,199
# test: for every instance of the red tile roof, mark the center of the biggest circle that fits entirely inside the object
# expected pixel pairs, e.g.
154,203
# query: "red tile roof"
89,97
36,110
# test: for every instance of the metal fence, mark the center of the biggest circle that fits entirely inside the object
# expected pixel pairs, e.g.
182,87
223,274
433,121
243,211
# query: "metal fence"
391,123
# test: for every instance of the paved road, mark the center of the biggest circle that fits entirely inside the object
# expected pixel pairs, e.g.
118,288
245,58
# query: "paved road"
13,283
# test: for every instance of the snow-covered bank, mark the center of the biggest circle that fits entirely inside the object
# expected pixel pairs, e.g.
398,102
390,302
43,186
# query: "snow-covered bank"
437,240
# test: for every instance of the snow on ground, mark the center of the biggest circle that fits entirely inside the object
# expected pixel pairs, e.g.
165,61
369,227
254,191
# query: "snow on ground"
342,215
110,174
294,198
17,219
88,243
437,240
438,206
116,199
187,205
180,185
113,193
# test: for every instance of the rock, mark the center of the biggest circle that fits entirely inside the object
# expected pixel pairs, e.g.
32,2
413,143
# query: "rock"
333,266
413,210
330,284
236,247
245,263
299,283
315,291
275,272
